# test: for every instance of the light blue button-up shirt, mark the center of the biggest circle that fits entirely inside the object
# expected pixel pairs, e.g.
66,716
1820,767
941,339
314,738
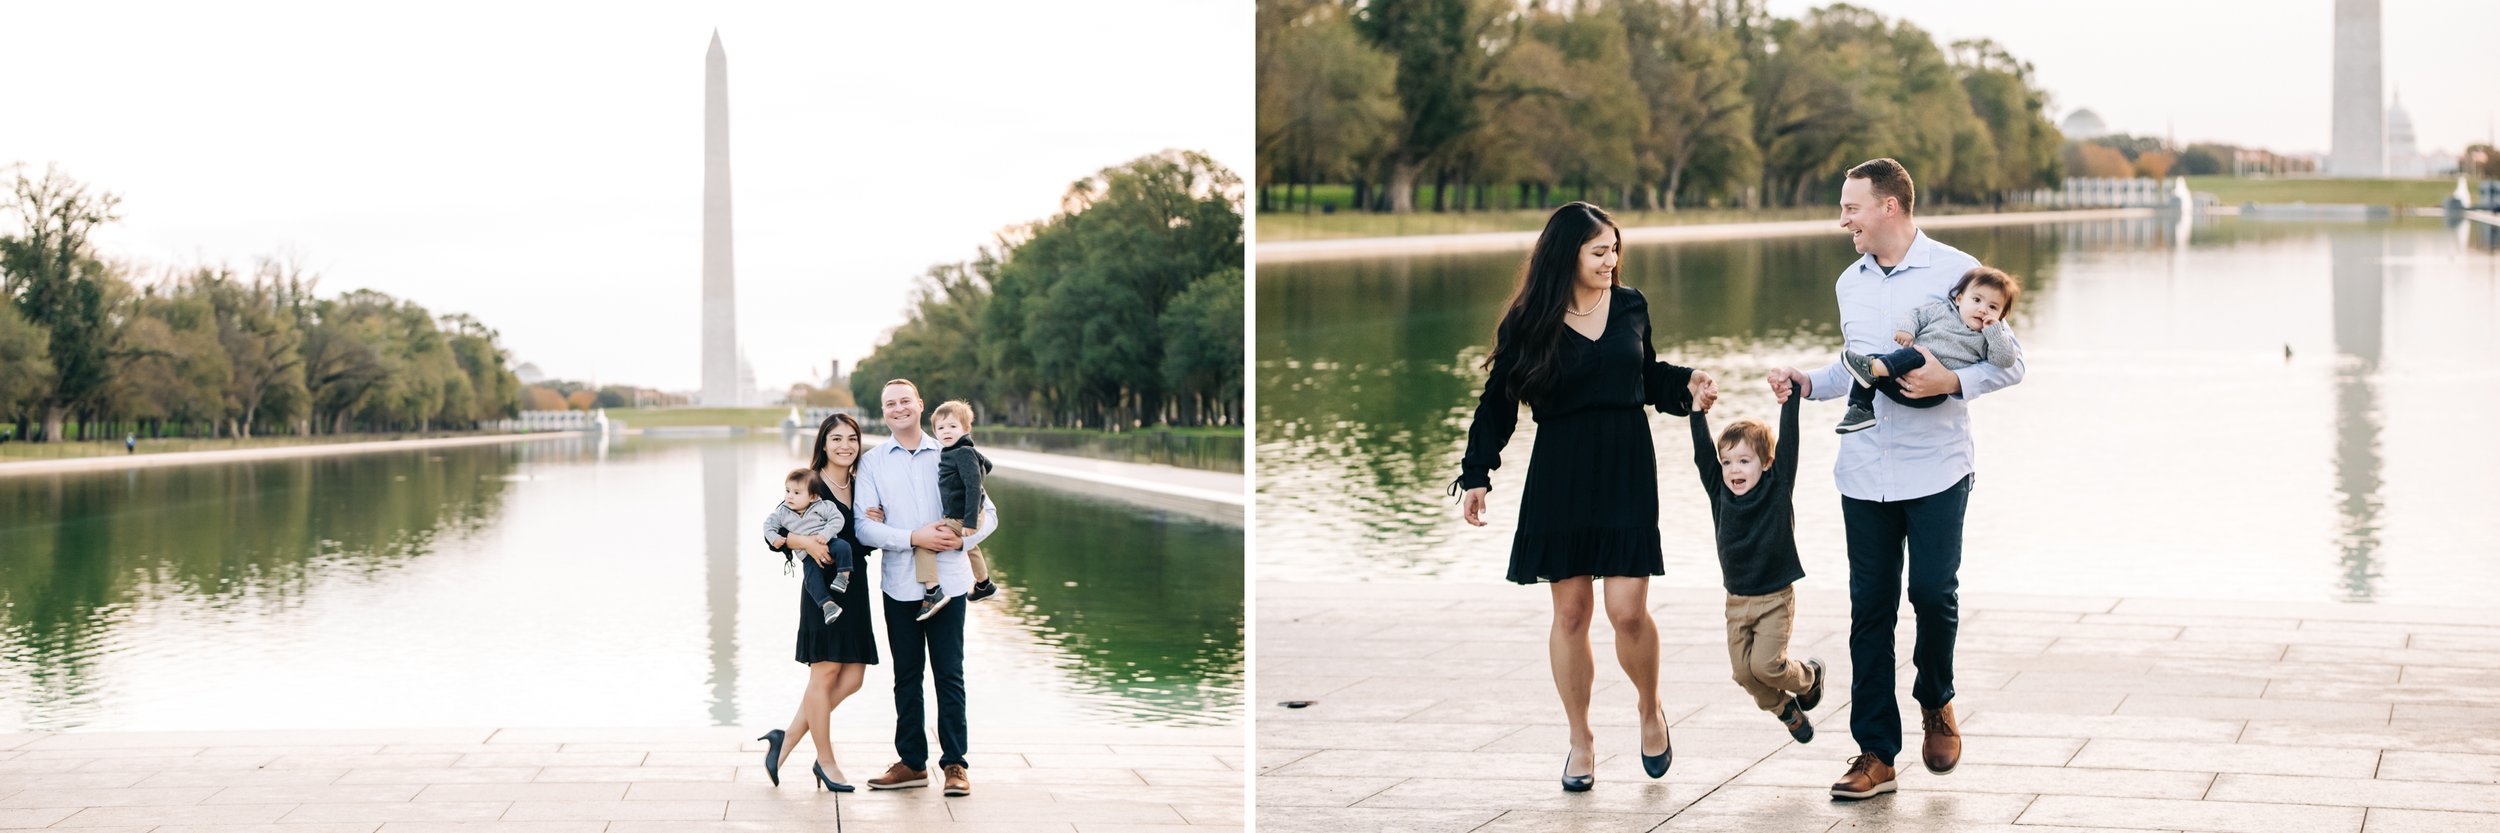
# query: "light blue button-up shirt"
904,481
1911,452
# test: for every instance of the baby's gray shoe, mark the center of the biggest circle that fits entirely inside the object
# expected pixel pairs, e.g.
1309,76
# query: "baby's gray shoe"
1860,367
832,611
1858,419
841,582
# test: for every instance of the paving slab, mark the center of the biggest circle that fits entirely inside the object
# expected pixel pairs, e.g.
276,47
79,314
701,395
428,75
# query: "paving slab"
2079,715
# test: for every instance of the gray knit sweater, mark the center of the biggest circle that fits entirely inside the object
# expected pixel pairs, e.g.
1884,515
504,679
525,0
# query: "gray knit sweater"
1939,328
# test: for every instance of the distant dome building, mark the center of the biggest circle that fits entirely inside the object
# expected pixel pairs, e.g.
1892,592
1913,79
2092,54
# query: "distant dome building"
2404,161
2083,124
529,374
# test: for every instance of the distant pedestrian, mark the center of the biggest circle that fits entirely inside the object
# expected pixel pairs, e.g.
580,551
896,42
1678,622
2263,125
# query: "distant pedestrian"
130,443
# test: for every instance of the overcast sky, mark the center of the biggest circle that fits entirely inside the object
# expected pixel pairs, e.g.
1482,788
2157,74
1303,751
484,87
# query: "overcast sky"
2251,72
541,166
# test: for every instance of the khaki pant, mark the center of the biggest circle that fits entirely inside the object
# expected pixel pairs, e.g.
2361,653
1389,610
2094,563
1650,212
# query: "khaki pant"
924,562
1757,647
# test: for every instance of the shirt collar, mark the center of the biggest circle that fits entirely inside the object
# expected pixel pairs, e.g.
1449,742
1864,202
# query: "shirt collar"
1916,257
927,443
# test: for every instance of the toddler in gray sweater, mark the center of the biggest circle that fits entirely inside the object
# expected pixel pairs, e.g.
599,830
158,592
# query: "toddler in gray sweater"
1966,328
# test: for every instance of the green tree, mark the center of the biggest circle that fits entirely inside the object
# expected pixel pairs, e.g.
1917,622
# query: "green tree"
1440,62
1689,70
51,272
1326,99
25,364
1203,350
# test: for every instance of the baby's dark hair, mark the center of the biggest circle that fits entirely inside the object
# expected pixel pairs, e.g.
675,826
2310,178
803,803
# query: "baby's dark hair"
806,478
1993,278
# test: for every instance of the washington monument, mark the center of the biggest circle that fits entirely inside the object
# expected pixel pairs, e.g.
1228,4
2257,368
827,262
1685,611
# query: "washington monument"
2360,148
720,289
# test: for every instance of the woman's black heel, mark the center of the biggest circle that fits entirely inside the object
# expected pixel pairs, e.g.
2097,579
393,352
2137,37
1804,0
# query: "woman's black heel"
829,783
1656,765
1576,783
772,756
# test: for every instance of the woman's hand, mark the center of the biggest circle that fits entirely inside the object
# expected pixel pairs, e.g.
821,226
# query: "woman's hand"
874,513
813,545
1704,389
1472,505
823,559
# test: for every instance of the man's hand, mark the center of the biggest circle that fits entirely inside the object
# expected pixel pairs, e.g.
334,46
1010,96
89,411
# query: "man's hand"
1930,379
1704,389
1788,381
936,536
1472,506
1901,337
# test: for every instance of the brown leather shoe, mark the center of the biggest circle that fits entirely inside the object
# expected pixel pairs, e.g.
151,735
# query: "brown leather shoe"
958,782
898,777
1868,777
1942,750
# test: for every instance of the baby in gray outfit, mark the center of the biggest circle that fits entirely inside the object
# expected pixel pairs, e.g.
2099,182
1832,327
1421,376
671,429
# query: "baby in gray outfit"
1966,328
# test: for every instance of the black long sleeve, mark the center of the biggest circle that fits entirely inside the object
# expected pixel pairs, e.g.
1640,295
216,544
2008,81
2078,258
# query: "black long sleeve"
1497,417
1784,461
1706,458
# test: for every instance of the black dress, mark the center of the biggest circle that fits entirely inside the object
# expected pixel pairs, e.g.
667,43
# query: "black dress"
850,638
1590,506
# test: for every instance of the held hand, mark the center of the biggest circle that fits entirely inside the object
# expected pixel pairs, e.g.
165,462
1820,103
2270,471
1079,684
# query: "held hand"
1704,389
1786,382
810,544
1930,379
874,513
1472,506
1901,337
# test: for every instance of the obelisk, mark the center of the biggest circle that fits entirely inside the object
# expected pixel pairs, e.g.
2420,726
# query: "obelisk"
720,290
2360,148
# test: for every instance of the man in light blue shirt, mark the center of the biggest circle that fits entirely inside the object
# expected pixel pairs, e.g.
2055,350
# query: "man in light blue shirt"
899,509
1904,483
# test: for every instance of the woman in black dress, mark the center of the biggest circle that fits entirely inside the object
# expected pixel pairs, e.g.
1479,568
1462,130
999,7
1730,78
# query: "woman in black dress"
1575,346
837,654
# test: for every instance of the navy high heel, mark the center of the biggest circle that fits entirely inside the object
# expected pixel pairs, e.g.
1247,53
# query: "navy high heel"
829,783
1576,783
772,757
1656,765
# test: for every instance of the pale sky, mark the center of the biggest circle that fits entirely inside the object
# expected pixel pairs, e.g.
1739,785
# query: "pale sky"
2250,72
541,167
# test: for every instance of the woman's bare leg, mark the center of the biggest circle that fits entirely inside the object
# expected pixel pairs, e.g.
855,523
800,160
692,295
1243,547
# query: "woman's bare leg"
799,724
819,681
1575,671
1636,647
843,681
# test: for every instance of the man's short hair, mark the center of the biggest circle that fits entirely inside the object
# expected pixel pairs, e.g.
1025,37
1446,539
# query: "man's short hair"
1889,180
915,388
953,408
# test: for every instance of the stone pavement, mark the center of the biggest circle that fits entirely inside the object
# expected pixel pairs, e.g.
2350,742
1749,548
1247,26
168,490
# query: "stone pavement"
1071,780
1434,711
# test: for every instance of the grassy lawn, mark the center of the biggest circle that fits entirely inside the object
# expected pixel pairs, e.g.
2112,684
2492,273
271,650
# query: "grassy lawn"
2400,192
16,450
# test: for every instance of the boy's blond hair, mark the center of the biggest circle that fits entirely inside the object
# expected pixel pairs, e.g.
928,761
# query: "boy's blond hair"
955,408
1749,432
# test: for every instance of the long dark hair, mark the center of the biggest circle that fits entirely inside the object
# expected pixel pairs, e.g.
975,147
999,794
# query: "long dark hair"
1533,324
818,459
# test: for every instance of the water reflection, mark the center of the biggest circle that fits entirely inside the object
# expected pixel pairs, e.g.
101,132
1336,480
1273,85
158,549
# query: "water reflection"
549,583
721,477
2359,259
2153,341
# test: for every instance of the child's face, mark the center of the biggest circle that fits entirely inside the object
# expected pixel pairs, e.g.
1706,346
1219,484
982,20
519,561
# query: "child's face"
1981,306
796,496
1741,466
948,429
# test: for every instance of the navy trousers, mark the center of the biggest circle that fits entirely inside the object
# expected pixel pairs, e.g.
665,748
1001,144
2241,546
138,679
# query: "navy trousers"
938,642
1926,533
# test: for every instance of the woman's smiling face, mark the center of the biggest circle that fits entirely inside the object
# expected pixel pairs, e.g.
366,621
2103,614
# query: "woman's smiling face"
842,445
1598,258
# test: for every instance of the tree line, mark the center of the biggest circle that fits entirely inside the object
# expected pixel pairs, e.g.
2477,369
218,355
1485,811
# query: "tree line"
88,351
1647,104
1123,310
